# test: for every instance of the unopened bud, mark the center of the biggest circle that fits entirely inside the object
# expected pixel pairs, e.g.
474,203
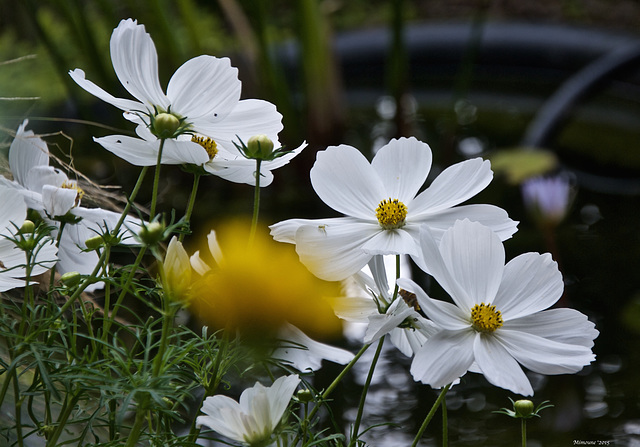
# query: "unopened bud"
27,227
305,396
151,234
260,146
71,279
523,408
95,242
165,125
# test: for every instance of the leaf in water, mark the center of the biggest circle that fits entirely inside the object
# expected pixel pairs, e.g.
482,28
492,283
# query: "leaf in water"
520,164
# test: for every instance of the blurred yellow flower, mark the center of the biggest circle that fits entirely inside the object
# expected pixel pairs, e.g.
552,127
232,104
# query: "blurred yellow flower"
259,287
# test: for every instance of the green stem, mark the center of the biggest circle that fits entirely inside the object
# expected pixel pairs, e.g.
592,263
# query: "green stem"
256,202
523,427
156,182
363,397
52,279
89,280
192,201
136,430
333,385
435,406
445,424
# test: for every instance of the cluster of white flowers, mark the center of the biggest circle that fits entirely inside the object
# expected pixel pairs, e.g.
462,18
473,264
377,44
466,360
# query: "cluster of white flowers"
499,319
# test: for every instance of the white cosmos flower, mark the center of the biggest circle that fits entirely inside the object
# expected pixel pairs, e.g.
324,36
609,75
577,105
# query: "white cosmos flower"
369,301
498,320
383,212
253,419
204,94
49,191
13,212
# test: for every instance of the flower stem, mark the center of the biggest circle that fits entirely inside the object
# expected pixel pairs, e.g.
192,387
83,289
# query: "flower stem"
333,385
156,182
256,202
435,406
523,427
445,424
192,201
363,397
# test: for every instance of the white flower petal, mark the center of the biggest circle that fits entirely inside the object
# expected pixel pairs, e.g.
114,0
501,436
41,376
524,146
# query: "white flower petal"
499,367
545,356
444,358
13,210
453,186
488,215
286,230
41,176
562,325
135,62
222,414
58,201
531,283
79,77
432,262
382,324
474,256
354,309
176,152
304,353
343,178
443,314
391,242
403,166
204,88
136,151
248,118
334,252
26,151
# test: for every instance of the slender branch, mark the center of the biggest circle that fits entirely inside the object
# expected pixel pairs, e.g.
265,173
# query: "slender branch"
363,397
192,201
256,202
435,406
156,182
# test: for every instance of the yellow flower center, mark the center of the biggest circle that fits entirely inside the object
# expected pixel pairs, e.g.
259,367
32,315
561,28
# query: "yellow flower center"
391,214
485,317
207,143
74,185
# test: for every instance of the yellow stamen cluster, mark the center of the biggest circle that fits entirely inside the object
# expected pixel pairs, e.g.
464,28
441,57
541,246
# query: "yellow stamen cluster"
485,318
74,185
391,214
207,143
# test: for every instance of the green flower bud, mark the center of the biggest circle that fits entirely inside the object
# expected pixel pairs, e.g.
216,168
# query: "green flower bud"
260,146
165,125
523,408
71,279
305,396
151,234
27,227
95,242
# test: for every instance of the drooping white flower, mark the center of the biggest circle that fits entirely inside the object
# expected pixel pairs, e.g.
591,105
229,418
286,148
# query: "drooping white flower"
382,206
13,212
253,419
304,353
49,191
203,97
369,301
498,321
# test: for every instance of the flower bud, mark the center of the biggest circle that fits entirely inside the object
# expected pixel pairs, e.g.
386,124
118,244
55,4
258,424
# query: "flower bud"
305,396
259,146
71,279
95,242
151,234
27,227
165,125
523,408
